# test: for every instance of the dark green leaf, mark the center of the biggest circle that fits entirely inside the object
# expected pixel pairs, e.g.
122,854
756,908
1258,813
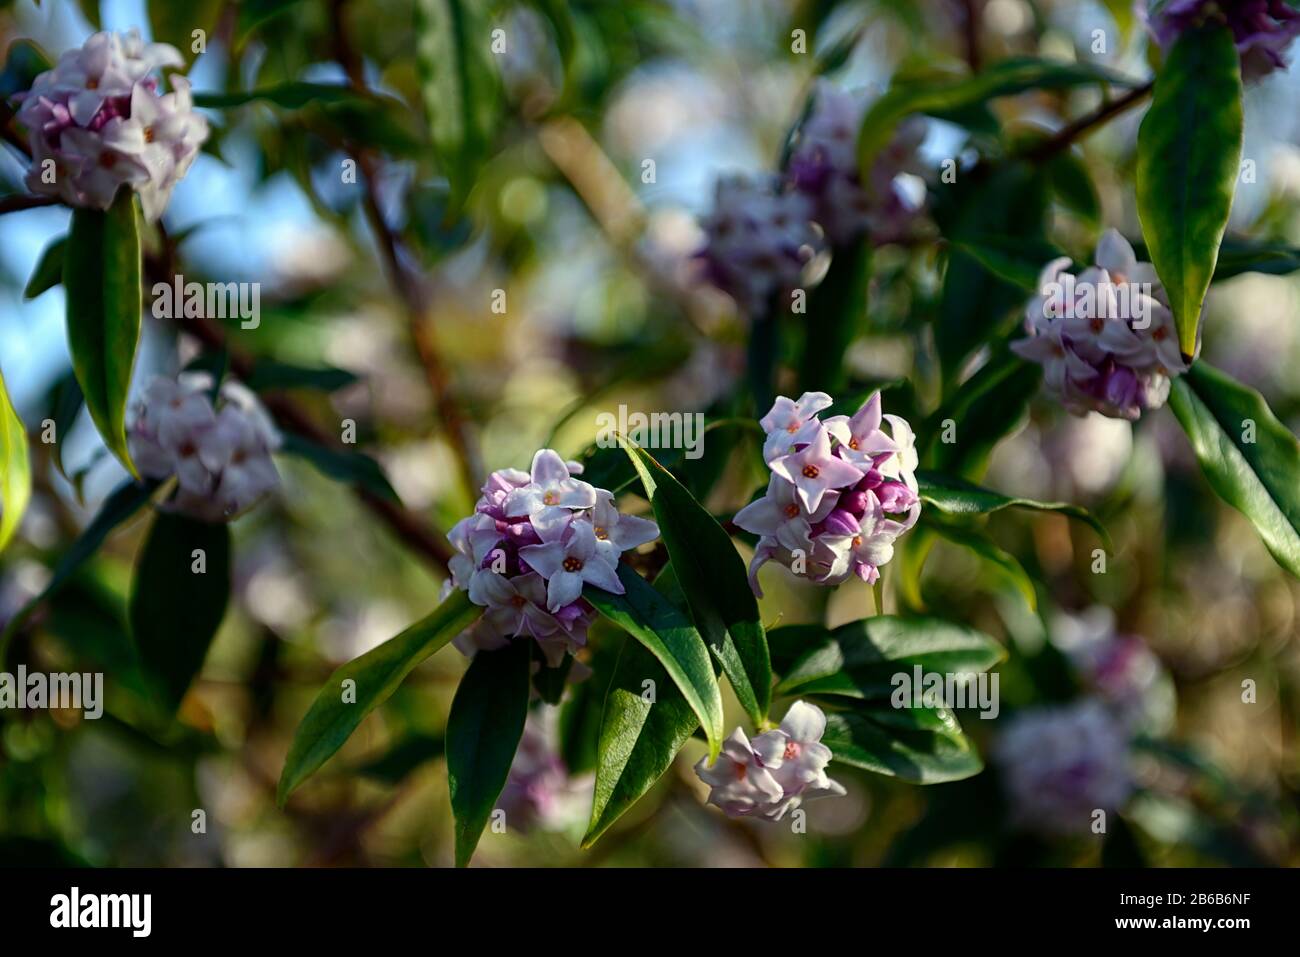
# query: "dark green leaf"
1250,458
373,677
459,85
290,96
1014,259
860,659
483,731
402,758
956,496
269,374
713,579
922,756
836,310
101,273
178,598
669,635
342,465
1189,153
49,269
989,551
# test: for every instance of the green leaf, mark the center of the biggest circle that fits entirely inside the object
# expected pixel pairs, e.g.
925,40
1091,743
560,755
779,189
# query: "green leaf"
1189,155
459,84
1014,259
483,731
1073,186
1249,457
859,660
866,739
639,737
342,465
375,675
836,310
712,576
290,96
66,402
999,558
937,93
667,633
173,22
269,374
178,598
15,469
1237,256
101,273
955,496
49,269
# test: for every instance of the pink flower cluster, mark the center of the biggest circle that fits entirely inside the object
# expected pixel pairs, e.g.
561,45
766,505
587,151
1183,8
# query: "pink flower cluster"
1106,338
1263,29
534,540
841,491
776,772
97,122
824,167
221,457
760,233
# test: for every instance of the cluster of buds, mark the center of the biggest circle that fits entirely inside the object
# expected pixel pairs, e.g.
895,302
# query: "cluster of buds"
1061,765
1106,338
758,240
539,792
534,540
824,167
221,457
1263,29
97,121
841,491
774,773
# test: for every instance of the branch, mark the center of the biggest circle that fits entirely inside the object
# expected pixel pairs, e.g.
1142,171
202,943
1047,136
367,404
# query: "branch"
1064,138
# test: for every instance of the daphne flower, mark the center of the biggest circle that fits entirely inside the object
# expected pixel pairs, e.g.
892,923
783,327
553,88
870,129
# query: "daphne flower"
615,532
1263,29
550,495
738,782
780,515
789,423
860,435
814,470
568,565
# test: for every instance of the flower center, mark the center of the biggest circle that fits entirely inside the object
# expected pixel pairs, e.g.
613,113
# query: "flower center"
853,443
601,533
518,601
107,159
148,134
791,750
740,772
92,83
811,471
572,564
792,510
1096,325
792,428
1159,334
550,498
857,541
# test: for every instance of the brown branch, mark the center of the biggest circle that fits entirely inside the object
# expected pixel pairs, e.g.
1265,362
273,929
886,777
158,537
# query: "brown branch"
409,287
970,18
21,201
1065,137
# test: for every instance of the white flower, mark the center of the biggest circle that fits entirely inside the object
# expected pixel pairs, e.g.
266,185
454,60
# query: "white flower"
615,532
551,495
570,564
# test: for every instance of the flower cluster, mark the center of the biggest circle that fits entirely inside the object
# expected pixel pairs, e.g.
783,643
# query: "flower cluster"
1060,765
539,792
534,540
1105,339
221,457
1263,29
758,239
824,167
841,491
101,120
775,772
1120,669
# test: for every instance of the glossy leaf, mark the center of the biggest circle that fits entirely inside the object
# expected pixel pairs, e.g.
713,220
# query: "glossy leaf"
178,599
922,755
342,465
1249,457
712,577
670,637
270,374
956,496
993,554
483,731
101,273
858,660
374,676
1189,153
15,468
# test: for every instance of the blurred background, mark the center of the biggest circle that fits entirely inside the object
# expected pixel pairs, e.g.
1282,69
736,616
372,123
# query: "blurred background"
605,306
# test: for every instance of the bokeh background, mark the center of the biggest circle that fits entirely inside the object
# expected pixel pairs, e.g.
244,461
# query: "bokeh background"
605,307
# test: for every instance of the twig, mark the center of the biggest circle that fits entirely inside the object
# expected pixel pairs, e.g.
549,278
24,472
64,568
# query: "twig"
1067,135
409,287
21,201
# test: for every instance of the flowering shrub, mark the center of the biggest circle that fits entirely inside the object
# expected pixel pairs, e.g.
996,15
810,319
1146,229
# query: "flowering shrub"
976,325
